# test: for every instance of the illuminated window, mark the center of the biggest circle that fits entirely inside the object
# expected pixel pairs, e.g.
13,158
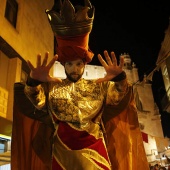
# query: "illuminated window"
3,145
11,11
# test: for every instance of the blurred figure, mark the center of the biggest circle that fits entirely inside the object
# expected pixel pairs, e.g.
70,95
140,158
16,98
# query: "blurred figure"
169,167
156,167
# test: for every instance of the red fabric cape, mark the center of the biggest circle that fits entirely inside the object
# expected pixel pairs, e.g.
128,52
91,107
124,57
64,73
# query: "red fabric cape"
31,135
124,138
33,130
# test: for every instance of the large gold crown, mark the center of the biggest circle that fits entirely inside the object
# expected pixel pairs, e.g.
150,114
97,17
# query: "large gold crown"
67,20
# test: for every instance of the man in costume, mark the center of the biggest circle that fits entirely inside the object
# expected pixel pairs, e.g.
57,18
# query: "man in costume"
85,114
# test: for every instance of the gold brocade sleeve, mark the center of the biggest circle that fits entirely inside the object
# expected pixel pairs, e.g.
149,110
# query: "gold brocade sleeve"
36,95
116,91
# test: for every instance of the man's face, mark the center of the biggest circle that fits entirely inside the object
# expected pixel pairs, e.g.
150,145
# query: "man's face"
74,69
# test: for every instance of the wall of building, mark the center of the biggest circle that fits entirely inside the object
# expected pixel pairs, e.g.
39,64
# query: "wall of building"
163,62
165,47
4,64
147,112
33,34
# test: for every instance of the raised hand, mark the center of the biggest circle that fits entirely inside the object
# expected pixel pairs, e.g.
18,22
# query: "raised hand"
42,69
111,66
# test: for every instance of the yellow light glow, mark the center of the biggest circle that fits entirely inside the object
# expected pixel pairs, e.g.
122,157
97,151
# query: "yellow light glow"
5,137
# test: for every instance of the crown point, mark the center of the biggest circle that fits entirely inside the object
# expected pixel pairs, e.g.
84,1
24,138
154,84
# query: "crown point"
66,21
67,11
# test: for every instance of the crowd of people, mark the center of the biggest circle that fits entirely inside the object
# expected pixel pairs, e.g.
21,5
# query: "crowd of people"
159,167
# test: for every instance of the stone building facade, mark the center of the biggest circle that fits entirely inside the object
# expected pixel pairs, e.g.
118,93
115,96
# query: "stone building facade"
21,39
24,33
163,62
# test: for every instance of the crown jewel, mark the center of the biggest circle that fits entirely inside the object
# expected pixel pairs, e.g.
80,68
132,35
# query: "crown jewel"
67,20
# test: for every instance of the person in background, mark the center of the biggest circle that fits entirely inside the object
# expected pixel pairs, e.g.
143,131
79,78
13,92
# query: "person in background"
94,122
167,158
156,167
162,168
168,167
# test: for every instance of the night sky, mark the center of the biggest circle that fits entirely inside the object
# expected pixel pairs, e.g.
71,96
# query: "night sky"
136,28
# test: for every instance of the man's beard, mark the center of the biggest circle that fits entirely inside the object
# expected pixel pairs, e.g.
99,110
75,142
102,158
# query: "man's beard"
72,78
